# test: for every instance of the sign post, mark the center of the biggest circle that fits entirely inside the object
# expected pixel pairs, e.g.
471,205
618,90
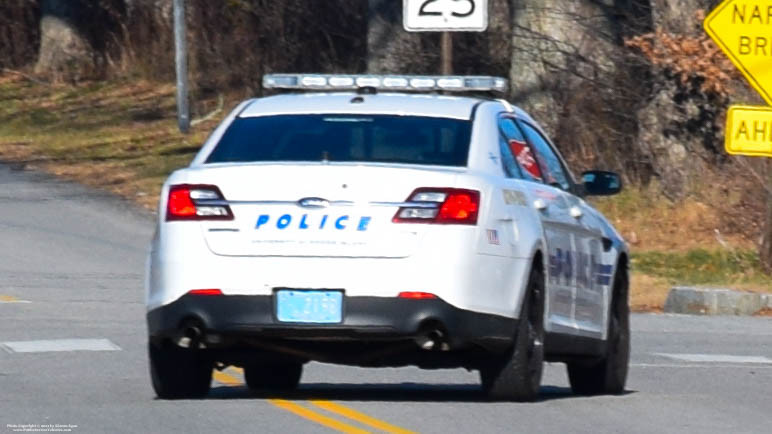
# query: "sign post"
445,16
181,61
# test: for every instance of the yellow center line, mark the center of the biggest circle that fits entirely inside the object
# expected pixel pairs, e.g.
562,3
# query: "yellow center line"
316,417
226,379
290,406
360,417
11,299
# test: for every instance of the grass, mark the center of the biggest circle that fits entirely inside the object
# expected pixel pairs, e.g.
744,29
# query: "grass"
701,267
122,136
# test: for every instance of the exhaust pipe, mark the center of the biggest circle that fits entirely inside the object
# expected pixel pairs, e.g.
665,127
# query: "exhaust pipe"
190,335
192,332
434,340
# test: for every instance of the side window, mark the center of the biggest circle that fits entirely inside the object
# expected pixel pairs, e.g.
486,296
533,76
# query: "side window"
518,158
551,169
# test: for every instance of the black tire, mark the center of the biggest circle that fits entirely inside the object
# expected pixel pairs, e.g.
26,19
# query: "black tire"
285,376
608,375
179,373
517,375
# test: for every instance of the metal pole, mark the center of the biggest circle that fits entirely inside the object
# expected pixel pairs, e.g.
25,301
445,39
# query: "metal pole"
447,53
181,60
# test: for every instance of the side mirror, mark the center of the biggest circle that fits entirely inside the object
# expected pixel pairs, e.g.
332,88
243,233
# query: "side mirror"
601,183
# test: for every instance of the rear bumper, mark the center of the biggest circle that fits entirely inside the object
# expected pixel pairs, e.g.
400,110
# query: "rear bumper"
365,319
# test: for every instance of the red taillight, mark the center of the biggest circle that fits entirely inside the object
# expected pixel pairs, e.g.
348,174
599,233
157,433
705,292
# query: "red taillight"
196,202
414,295
459,206
180,203
205,292
440,206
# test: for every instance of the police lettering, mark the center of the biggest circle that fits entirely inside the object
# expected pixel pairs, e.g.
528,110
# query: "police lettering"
307,221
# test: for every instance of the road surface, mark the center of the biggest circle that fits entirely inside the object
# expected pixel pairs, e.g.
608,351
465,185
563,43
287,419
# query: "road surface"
73,352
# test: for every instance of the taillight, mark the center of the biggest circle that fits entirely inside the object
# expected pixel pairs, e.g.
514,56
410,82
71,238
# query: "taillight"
205,292
196,202
416,295
440,206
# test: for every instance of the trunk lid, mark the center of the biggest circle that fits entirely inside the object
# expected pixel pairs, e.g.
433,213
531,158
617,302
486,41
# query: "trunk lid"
317,210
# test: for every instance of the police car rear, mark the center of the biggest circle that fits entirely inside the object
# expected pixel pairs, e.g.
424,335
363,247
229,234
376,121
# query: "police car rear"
344,226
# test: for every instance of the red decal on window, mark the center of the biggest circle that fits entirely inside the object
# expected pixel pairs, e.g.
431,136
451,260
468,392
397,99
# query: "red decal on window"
525,158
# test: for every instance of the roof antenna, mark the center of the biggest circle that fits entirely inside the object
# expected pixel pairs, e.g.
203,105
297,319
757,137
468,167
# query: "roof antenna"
325,156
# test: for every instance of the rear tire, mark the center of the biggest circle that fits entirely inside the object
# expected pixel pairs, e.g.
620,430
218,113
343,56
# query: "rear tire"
608,375
517,376
285,376
178,373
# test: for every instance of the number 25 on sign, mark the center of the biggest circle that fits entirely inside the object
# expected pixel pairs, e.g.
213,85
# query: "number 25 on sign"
445,15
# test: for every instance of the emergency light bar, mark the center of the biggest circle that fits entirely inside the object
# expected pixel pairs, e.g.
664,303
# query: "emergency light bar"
411,83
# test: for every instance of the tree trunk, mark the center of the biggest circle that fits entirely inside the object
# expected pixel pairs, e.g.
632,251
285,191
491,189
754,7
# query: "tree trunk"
65,52
390,48
765,252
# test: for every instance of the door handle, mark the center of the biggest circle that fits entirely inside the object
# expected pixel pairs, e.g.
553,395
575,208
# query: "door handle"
576,212
540,204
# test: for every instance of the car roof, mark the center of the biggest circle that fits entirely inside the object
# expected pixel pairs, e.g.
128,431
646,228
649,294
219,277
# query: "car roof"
433,105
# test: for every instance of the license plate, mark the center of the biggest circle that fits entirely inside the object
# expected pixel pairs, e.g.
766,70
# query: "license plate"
316,307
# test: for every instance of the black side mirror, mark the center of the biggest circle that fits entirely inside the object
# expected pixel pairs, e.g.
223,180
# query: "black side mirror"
601,183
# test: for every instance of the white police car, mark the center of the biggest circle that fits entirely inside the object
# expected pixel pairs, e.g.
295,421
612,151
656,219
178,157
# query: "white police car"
380,221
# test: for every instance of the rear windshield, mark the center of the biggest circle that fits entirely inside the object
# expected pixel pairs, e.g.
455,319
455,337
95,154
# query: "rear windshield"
357,138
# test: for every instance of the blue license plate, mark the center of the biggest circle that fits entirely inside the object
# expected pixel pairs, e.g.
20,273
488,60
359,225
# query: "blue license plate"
316,307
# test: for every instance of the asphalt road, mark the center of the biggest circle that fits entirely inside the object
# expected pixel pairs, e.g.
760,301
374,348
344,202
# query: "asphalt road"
71,263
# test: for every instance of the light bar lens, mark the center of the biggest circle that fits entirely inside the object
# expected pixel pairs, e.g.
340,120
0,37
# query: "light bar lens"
368,82
312,81
450,83
395,82
341,81
426,83
280,81
390,82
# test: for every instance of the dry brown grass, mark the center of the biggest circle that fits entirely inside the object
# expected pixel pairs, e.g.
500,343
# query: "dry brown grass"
647,293
648,221
118,136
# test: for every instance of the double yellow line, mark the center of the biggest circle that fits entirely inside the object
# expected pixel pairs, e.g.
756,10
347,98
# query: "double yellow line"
314,416
11,299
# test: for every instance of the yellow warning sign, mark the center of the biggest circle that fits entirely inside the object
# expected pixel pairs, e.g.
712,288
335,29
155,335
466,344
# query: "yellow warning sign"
749,131
743,30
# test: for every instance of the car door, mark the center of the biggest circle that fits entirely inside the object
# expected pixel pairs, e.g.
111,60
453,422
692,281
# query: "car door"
520,161
574,267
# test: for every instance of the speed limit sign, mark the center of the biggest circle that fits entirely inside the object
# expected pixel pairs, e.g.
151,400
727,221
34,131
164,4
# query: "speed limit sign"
445,15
